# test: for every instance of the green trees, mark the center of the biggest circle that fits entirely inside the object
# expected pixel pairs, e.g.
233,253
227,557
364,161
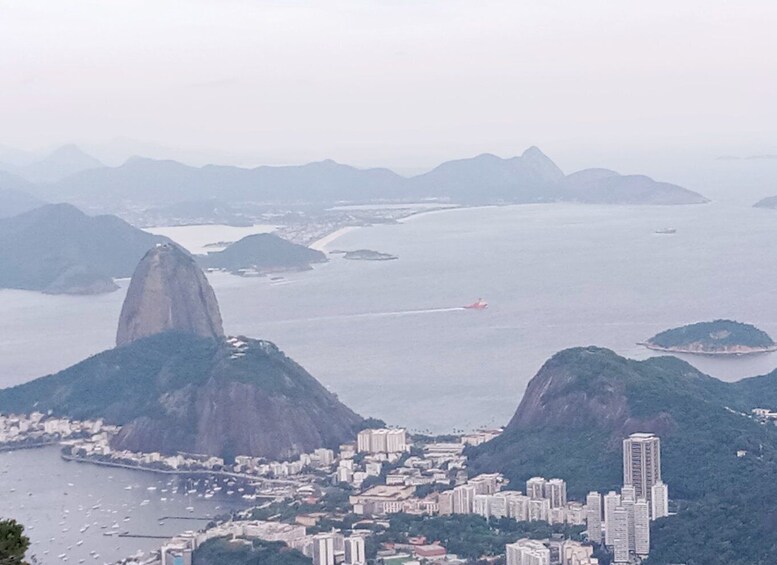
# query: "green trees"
221,551
13,543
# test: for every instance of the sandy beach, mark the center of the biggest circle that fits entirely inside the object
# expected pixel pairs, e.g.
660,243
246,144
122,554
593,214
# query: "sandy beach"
320,244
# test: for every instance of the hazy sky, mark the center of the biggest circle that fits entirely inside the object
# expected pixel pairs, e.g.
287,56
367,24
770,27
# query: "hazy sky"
400,83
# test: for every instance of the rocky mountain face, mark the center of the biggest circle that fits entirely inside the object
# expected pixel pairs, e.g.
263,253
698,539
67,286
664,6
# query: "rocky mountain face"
168,292
175,383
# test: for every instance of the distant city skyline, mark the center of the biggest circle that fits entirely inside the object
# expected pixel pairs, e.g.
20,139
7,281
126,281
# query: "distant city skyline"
403,85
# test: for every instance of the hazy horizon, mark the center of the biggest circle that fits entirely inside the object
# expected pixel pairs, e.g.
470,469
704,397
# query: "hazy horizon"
392,84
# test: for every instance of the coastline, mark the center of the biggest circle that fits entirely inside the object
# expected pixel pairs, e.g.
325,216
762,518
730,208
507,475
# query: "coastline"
322,243
201,472
684,351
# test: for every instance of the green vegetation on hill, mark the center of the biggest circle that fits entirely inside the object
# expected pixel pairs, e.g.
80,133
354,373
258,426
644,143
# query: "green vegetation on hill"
120,384
716,336
221,551
583,402
263,252
176,392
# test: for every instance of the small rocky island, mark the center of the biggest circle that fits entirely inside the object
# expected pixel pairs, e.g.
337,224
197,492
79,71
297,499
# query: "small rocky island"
719,337
365,255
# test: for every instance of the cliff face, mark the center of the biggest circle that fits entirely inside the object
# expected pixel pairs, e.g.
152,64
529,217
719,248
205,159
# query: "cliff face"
168,292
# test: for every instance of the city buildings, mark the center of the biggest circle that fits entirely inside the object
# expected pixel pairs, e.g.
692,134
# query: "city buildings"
382,440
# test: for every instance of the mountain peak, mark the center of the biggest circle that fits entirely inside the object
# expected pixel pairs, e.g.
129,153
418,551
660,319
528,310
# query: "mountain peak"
168,292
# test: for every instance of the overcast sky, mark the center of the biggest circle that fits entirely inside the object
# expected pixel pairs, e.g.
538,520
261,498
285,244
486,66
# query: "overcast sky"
399,83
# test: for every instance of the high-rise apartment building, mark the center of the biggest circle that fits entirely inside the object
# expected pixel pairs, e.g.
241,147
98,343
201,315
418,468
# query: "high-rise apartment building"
527,552
535,488
323,549
556,491
641,527
620,535
381,441
463,499
593,516
642,463
659,501
355,553
612,501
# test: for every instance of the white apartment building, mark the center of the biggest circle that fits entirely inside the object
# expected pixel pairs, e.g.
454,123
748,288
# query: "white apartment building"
463,499
659,501
324,549
612,500
593,516
620,535
642,527
355,553
382,441
555,490
527,552
535,487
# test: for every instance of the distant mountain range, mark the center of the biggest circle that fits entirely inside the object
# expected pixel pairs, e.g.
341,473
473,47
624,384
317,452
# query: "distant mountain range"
54,166
15,197
58,249
72,176
584,401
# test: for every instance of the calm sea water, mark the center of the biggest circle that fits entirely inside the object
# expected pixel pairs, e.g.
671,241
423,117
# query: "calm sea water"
391,339
63,503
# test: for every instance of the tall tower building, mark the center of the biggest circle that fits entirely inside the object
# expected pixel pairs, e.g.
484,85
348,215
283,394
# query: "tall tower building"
620,535
628,505
641,527
612,500
659,501
355,553
593,516
642,463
